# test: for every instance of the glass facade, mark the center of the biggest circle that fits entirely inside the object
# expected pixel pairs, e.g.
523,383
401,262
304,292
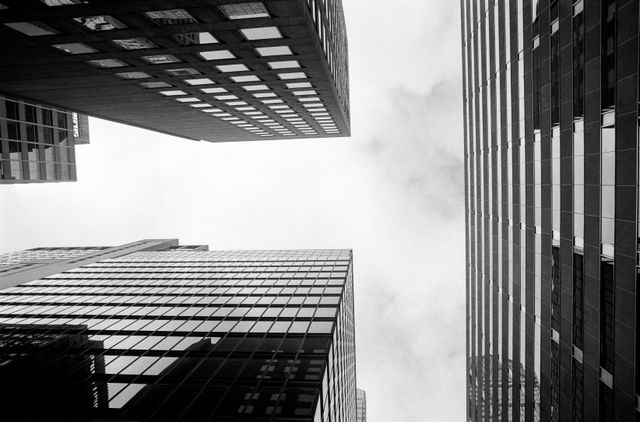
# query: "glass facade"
550,94
184,334
37,143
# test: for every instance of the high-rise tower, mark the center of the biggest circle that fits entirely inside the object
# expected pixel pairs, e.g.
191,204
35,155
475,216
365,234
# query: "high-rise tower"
214,70
156,331
551,175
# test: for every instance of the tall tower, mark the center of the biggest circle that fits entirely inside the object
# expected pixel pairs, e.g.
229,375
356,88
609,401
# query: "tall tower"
157,331
214,70
551,176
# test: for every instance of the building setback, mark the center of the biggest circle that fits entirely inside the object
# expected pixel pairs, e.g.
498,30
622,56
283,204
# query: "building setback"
551,176
153,331
214,70
37,143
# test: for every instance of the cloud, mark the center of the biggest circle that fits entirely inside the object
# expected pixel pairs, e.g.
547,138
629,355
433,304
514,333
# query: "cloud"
416,142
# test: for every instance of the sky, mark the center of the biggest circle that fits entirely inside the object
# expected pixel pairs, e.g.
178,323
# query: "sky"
393,192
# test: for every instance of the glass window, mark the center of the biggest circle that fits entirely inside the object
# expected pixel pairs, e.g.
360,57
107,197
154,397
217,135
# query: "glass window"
233,68
107,63
249,10
161,59
216,90
262,33
320,327
292,75
184,71
199,81
124,394
100,23
294,85
158,84
255,87
171,17
195,38
247,78
32,29
172,92
134,43
133,75
216,55
285,64
282,50
75,48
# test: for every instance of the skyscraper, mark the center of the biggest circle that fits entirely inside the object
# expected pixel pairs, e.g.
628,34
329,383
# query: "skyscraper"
214,70
37,143
551,175
156,331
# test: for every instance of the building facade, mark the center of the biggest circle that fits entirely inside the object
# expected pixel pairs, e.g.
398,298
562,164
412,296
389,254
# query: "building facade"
551,176
37,143
215,70
153,331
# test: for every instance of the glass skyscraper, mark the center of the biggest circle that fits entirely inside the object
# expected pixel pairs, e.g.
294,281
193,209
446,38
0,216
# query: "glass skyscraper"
155,331
551,174
214,70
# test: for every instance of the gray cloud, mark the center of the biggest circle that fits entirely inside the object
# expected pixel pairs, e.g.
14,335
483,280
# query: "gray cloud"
417,142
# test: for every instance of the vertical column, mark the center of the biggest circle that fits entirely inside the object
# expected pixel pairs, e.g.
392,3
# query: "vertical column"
592,257
626,147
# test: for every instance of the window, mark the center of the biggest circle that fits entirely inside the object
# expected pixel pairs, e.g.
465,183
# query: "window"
274,51
134,43
216,90
53,3
263,33
216,55
225,97
233,68
249,10
32,29
247,78
100,23
158,84
199,81
294,85
264,95
287,64
292,75
172,93
133,75
255,87
161,59
184,71
195,38
171,17
75,48
107,63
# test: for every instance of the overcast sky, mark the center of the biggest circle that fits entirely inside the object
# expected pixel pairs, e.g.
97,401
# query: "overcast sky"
393,193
